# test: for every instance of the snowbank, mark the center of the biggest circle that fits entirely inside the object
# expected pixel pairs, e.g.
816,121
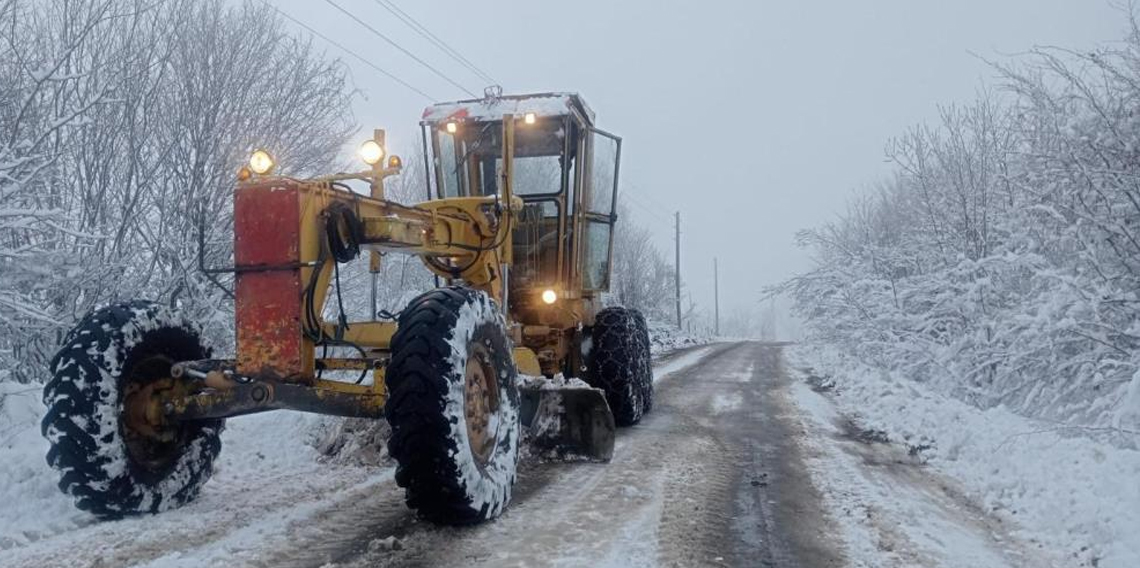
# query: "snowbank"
33,507
665,337
1065,490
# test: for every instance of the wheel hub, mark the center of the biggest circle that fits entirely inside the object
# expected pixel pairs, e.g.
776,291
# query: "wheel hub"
151,442
481,401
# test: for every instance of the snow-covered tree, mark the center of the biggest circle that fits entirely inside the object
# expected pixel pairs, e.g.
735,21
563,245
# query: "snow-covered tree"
642,279
1001,262
122,125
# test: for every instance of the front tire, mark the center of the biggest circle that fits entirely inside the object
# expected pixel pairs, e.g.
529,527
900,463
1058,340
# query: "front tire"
453,407
105,462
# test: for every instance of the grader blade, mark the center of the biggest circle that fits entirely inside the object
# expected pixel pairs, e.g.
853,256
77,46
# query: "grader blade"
571,422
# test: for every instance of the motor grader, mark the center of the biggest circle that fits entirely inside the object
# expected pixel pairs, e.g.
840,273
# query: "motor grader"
518,230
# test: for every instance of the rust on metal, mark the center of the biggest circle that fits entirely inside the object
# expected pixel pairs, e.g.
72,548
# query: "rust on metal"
480,402
267,305
325,397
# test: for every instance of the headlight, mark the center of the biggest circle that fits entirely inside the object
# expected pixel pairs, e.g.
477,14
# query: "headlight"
529,118
451,127
261,162
371,152
549,296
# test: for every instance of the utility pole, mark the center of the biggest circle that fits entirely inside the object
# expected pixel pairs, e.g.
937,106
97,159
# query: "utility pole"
677,268
716,297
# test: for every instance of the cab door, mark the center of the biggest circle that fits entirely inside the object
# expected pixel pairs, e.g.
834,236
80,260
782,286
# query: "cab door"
598,203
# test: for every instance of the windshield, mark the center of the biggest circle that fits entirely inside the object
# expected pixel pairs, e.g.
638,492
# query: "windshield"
468,162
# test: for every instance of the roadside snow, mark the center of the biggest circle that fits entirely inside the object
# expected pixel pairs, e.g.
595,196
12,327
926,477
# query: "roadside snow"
33,507
1066,493
890,512
666,368
665,338
254,448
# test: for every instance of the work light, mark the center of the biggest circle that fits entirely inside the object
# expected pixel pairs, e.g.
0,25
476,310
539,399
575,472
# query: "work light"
261,162
371,152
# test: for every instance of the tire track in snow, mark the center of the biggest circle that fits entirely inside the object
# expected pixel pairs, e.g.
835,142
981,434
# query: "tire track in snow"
670,496
570,514
895,511
679,492
696,526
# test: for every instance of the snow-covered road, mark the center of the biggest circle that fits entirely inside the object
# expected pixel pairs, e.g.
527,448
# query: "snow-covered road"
736,466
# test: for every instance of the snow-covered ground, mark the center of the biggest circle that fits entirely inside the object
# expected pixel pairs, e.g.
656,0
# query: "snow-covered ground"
33,506
664,337
1068,499
893,475
275,446
281,446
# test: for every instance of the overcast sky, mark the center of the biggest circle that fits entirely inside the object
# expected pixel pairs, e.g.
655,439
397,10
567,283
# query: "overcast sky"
752,118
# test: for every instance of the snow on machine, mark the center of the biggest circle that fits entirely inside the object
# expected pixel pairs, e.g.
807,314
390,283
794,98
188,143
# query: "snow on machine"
518,225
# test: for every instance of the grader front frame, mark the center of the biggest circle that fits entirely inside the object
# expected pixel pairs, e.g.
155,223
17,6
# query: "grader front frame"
519,226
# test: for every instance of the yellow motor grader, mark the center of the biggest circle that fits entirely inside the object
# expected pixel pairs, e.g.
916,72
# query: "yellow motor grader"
518,229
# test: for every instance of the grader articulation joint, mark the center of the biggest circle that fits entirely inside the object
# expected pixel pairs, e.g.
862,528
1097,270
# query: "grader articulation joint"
518,224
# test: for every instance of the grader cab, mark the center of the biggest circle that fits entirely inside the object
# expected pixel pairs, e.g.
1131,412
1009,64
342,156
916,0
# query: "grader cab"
518,229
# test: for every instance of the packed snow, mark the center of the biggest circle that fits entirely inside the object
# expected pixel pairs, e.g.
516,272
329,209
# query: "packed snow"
291,449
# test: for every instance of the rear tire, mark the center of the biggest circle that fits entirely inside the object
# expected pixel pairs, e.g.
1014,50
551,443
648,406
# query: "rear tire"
108,468
453,407
644,361
613,364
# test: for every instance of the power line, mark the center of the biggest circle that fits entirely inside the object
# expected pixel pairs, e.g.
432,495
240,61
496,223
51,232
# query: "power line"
629,197
648,211
348,51
655,210
399,47
631,189
434,39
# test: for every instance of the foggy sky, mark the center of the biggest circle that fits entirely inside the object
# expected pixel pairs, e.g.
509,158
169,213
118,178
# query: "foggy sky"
752,118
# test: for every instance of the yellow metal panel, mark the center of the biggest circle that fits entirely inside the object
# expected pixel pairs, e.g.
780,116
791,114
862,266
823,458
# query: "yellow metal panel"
527,362
373,334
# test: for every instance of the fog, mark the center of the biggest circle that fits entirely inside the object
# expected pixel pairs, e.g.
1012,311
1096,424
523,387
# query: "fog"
963,388
753,119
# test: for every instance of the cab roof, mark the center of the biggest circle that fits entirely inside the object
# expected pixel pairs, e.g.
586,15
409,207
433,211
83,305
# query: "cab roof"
493,108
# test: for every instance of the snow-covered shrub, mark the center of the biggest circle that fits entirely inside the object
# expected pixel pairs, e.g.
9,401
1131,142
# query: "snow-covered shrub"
1001,263
665,337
